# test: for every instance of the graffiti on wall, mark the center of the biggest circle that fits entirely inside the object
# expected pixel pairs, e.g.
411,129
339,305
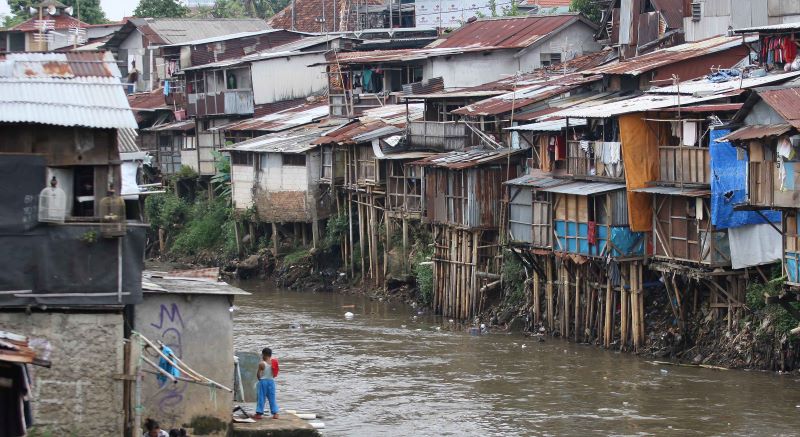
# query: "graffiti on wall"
170,327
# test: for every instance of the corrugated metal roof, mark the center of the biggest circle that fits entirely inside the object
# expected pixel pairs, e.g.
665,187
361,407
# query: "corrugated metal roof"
466,159
126,141
550,125
60,22
642,103
283,120
294,48
718,107
380,132
184,125
756,131
650,61
223,37
407,155
148,101
65,89
785,101
163,31
704,86
538,180
674,191
400,55
373,120
508,32
284,142
584,188
780,28
526,95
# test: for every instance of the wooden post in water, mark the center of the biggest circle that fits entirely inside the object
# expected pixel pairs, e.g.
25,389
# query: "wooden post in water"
275,238
350,229
564,292
577,303
406,266
474,260
548,289
623,313
536,304
609,306
634,306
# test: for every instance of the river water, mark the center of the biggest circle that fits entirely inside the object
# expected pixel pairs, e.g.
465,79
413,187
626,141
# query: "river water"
390,372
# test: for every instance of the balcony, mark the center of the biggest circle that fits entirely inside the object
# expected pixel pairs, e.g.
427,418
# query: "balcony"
444,136
228,102
684,165
595,160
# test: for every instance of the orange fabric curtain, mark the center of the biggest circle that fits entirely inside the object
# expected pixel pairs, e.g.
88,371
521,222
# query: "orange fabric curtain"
640,140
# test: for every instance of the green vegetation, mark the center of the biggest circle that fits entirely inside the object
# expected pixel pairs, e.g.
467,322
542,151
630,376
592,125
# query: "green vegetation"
335,230
295,256
222,179
185,173
160,9
205,227
589,8
421,263
777,316
513,279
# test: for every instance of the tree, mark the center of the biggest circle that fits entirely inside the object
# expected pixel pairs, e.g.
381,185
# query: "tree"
228,9
90,11
589,8
160,9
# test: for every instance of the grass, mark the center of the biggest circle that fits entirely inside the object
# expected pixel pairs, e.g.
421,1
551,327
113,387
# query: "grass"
295,256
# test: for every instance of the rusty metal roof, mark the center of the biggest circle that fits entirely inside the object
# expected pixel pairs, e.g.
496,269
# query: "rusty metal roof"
60,22
374,121
785,101
704,86
674,191
537,179
282,120
584,188
526,95
183,125
650,61
467,159
65,89
148,101
617,105
712,107
508,32
756,131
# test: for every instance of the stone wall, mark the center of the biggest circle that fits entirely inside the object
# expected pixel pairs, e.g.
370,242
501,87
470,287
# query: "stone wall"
79,394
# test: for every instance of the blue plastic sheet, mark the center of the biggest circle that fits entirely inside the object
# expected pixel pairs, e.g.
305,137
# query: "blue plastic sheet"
629,243
729,187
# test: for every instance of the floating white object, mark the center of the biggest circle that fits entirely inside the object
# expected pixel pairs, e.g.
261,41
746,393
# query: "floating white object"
348,315
317,425
306,416
290,411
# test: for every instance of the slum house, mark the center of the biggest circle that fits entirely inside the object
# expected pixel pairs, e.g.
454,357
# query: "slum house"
73,263
316,17
17,358
177,310
223,92
667,151
462,117
635,27
462,202
768,137
357,159
477,53
160,134
276,174
137,44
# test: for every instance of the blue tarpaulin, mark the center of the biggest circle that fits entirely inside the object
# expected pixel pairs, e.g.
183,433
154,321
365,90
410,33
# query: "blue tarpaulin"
729,186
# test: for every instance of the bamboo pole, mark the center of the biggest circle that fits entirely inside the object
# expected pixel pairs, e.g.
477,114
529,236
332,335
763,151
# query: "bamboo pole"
577,302
640,287
548,289
350,230
474,260
634,307
564,292
623,315
536,304
609,305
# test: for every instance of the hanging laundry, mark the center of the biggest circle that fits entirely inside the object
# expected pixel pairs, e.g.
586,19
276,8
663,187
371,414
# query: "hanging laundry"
164,364
366,80
785,148
689,133
675,127
560,148
166,87
591,235
611,152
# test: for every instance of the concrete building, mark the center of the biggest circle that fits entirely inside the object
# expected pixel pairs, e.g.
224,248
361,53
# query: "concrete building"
178,311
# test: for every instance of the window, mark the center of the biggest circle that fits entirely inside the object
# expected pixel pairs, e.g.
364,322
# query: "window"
294,160
240,158
548,59
327,162
697,11
188,142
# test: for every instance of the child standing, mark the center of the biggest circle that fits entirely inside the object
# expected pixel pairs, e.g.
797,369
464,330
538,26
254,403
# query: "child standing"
267,371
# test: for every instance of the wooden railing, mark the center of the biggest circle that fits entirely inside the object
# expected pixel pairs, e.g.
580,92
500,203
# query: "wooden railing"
349,105
591,161
684,165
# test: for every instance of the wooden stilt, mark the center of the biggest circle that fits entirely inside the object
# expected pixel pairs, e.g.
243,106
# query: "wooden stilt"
548,289
536,310
406,267
623,315
609,306
350,230
565,297
577,302
275,238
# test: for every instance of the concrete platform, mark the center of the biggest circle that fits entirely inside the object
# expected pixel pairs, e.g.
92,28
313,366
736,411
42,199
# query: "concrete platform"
288,425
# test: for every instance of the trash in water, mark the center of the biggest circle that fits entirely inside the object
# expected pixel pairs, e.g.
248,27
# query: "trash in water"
348,315
524,346
664,371
296,327
403,326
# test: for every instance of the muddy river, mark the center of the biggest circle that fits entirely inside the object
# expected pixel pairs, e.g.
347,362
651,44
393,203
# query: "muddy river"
393,371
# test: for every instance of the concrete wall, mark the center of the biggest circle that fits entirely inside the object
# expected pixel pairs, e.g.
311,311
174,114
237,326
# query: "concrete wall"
199,329
571,42
79,394
134,46
275,176
280,79
242,178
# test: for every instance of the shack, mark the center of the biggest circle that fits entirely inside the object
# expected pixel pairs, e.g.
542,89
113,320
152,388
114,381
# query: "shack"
462,202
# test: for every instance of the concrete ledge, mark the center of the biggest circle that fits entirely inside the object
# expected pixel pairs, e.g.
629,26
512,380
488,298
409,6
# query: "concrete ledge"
288,425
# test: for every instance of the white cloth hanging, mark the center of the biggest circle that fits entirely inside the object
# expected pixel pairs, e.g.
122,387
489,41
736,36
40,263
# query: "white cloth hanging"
611,152
689,133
